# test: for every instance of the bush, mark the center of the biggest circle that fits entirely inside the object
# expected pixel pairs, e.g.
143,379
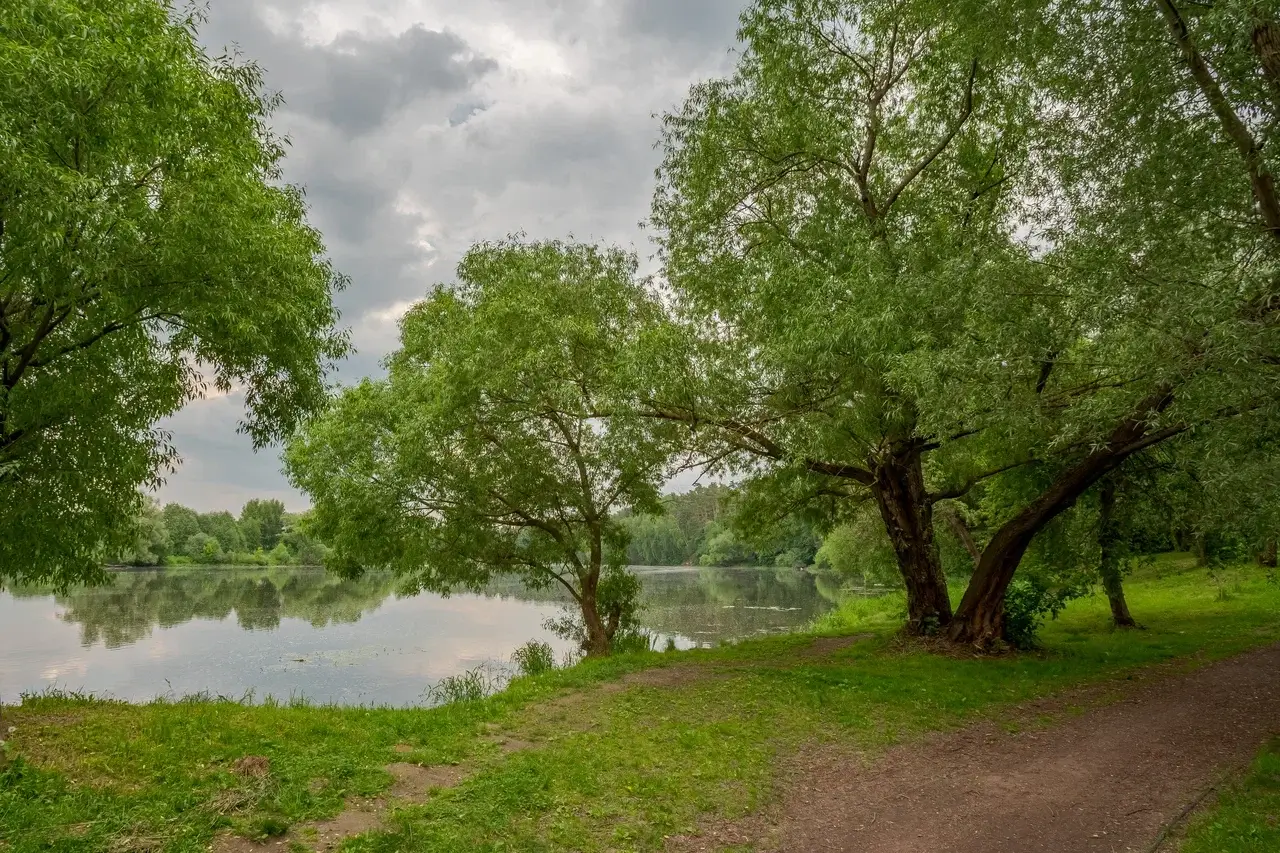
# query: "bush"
1026,604
534,658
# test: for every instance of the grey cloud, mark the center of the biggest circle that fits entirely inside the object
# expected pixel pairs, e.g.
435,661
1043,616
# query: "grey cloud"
433,134
356,83
708,22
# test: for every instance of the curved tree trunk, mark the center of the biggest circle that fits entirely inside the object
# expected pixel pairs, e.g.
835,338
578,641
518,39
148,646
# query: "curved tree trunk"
907,513
980,618
1109,563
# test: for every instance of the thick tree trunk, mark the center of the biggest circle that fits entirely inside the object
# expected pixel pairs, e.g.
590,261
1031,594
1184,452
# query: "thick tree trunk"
980,618
907,513
1109,563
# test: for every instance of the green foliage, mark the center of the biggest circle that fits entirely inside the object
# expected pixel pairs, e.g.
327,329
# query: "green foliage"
222,526
262,523
859,549
534,658
1028,601
500,442
144,229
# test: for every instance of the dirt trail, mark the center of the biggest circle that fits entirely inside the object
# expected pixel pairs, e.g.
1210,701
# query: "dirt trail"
1106,781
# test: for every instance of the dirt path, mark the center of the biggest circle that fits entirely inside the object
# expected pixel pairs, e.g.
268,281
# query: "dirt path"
1105,781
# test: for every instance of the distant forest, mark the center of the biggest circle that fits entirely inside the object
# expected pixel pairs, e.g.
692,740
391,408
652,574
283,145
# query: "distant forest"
698,528
263,535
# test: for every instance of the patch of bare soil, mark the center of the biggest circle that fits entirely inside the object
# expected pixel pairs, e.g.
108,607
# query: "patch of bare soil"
413,784
1110,779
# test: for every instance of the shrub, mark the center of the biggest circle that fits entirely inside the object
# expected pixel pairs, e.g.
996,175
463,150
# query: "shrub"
1026,604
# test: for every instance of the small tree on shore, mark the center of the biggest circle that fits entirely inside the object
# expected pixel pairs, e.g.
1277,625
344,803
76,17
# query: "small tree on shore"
484,451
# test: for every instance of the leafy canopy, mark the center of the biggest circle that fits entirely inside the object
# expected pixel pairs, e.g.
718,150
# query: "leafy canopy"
144,230
500,442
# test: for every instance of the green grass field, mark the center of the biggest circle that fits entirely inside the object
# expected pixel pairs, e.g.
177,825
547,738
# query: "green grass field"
623,751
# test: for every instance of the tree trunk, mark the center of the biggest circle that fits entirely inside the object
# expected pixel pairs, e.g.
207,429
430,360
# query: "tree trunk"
599,639
1109,564
1202,550
980,618
961,530
907,513
1267,557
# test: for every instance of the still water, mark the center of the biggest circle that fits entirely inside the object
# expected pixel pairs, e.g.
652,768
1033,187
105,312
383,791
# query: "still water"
299,632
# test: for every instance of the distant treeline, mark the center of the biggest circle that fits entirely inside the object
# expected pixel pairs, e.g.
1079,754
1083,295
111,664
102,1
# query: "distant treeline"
264,534
701,528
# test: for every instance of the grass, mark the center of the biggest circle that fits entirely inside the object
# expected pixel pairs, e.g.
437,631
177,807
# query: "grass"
698,735
1246,817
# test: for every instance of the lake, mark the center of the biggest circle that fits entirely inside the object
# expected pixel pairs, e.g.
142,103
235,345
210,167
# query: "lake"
294,632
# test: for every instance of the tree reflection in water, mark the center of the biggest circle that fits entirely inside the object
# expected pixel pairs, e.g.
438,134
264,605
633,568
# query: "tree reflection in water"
706,605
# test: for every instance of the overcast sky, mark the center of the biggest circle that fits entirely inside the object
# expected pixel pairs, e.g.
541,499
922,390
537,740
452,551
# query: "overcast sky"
421,126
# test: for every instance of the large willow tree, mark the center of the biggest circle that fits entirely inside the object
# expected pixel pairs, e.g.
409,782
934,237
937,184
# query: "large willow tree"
826,214
1153,204
144,230
922,243
499,443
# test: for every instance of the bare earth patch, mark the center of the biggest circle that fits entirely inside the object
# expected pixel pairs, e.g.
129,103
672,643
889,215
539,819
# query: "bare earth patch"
1107,780
414,782
413,785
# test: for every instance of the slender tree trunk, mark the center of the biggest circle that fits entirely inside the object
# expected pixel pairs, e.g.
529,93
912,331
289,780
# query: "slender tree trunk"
599,639
1202,550
907,513
1109,563
1267,556
980,618
962,532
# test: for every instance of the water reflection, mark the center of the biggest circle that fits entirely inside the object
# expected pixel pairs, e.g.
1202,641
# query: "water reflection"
289,630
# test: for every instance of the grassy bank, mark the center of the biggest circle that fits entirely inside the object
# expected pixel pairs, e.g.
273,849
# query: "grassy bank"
608,755
1245,817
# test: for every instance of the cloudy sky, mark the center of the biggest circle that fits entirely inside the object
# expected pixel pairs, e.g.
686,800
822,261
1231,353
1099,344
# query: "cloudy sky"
421,126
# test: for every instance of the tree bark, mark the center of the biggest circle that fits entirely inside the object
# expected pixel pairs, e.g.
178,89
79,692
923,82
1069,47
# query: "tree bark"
980,618
1109,563
599,639
907,513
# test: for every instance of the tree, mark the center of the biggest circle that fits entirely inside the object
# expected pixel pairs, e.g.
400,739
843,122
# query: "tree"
144,230
1158,211
152,542
181,522
826,214
262,523
222,526
485,451
925,243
